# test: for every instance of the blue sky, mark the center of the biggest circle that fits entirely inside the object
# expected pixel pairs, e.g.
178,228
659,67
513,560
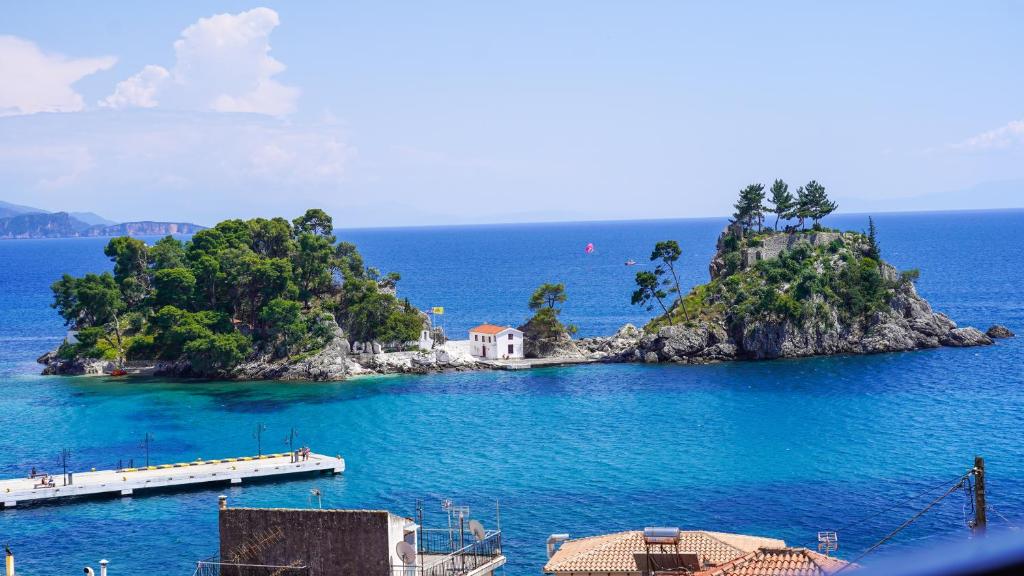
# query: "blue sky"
403,113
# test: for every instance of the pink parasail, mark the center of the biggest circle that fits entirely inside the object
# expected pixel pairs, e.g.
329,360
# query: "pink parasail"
590,248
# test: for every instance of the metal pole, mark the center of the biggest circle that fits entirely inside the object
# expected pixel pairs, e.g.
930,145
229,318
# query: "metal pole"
260,427
980,519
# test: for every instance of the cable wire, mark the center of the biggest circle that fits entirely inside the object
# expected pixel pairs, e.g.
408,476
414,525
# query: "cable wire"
910,521
990,508
902,502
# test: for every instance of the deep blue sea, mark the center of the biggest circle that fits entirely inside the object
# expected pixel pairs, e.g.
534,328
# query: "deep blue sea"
784,448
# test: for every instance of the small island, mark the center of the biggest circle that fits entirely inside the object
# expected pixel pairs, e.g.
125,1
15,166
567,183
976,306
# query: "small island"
783,294
244,299
279,299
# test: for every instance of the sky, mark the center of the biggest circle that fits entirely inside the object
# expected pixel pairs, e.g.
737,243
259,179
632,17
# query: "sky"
416,113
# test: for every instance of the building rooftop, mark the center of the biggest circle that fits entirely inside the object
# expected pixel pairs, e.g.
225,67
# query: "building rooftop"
787,561
489,329
617,552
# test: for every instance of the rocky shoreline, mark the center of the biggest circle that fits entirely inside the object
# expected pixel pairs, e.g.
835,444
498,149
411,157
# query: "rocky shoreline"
698,344
717,332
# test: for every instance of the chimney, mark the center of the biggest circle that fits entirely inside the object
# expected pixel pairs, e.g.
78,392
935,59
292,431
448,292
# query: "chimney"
103,567
223,502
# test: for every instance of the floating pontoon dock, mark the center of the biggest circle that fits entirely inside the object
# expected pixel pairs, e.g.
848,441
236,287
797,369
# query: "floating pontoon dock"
129,480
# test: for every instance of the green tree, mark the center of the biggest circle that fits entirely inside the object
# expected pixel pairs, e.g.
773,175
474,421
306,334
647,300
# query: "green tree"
548,296
668,253
215,354
348,262
284,322
750,207
782,201
816,202
131,267
648,290
92,301
167,252
315,221
874,252
271,238
804,208
401,326
312,265
368,313
174,287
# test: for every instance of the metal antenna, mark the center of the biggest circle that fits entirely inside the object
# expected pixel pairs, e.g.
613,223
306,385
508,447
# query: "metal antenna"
828,542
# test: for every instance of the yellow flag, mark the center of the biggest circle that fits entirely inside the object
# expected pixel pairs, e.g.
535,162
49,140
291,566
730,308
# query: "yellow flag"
437,310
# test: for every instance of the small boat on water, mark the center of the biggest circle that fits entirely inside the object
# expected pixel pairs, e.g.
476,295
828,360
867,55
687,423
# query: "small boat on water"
630,262
118,372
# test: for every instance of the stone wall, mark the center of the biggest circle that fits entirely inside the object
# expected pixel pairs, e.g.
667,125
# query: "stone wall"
329,542
775,244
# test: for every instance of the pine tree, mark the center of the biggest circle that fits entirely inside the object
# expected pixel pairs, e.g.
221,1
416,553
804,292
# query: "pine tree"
802,209
815,203
874,252
750,206
782,201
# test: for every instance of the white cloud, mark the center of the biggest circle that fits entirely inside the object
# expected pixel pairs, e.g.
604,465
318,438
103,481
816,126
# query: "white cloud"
223,64
1002,137
157,164
140,90
33,81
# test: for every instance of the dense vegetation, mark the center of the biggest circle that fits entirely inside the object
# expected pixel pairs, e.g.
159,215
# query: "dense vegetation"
844,280
545,302
242,289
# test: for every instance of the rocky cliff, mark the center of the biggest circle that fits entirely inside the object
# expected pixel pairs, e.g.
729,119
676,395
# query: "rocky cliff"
142,228
65,225
792,295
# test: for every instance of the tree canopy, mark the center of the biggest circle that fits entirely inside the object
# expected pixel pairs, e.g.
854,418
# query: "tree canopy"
244,288
810,203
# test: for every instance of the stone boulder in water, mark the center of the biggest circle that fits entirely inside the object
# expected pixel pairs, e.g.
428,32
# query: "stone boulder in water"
999,331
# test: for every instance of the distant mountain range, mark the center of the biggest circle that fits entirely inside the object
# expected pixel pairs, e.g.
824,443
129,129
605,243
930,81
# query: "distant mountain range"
18,221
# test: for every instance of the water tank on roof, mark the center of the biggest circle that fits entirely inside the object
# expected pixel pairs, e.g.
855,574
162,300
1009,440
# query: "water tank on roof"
661,535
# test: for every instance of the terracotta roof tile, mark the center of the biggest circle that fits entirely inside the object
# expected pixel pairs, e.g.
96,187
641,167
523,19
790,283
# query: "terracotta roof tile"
488,329
778,562
615,552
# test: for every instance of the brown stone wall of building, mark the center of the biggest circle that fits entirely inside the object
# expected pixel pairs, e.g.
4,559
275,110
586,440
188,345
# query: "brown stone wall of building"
329,542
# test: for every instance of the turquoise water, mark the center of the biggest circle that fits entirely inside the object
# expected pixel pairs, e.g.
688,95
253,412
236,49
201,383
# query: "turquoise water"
781,448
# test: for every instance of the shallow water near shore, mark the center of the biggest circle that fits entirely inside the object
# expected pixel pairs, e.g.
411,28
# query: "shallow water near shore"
781,448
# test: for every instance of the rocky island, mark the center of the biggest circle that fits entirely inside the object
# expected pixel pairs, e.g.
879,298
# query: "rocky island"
785,294
273,299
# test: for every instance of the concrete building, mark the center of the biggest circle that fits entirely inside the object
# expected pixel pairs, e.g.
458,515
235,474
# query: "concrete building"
317,542
670,551
496,342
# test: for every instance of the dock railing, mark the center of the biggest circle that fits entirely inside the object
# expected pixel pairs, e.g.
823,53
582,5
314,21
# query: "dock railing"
448,553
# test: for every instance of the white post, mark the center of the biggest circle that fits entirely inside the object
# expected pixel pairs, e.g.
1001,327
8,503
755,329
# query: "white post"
103,567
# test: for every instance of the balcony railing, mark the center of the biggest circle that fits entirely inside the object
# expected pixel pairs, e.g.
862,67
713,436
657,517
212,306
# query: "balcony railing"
214,567
449,553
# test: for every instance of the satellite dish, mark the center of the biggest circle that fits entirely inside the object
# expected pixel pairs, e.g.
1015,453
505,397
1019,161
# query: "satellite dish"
477,529
406,552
